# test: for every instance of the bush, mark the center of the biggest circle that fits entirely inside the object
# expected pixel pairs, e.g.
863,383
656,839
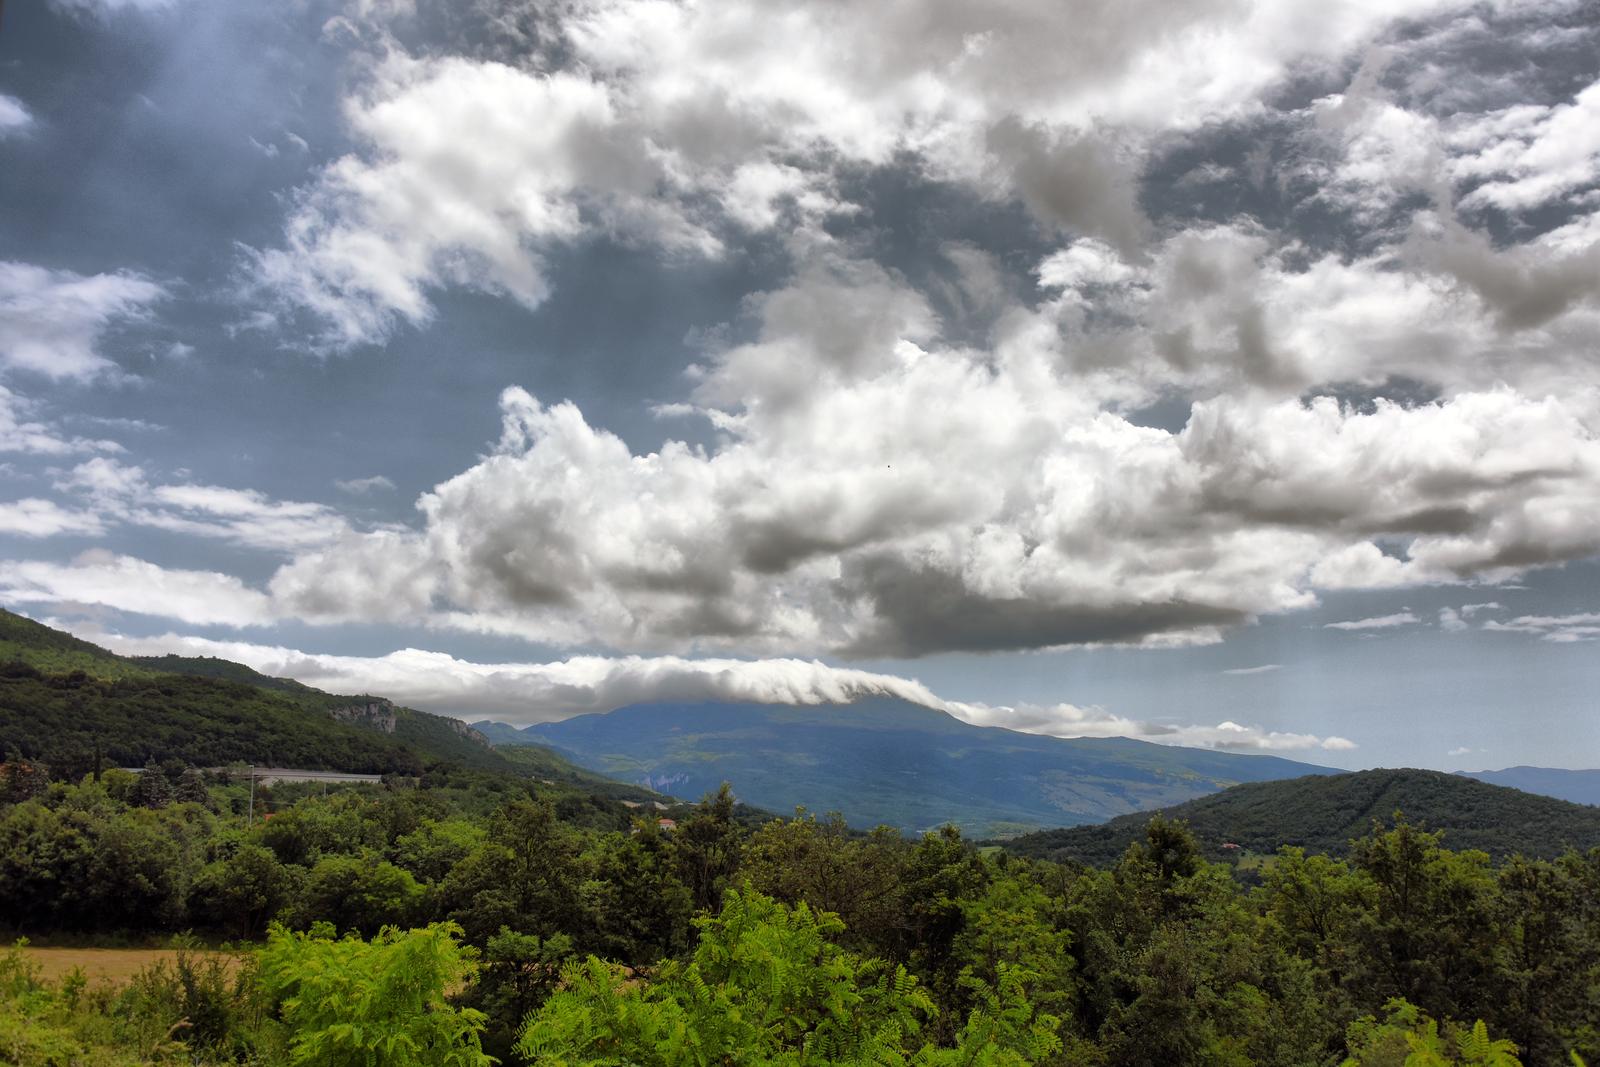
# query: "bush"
378,1003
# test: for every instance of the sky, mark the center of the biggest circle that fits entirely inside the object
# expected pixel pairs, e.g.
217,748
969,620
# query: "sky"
1214,372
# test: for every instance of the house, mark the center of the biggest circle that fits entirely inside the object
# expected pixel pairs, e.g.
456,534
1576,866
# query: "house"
1229,846
667,824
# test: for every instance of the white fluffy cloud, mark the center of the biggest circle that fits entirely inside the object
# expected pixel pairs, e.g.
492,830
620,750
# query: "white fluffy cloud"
98,578
1526,156
897,496
540,692
1229,308
51,320
675,124
14,117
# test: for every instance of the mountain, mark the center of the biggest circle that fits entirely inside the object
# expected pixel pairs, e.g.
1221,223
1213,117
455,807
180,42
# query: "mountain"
1323,813
885,761
1580,787
62,698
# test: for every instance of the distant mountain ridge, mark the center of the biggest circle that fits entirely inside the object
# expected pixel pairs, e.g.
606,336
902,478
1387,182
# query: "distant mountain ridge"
1323,813
63,699
1579,787
885,761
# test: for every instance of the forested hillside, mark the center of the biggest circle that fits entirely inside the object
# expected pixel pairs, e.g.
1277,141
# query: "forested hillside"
67,703
1324,813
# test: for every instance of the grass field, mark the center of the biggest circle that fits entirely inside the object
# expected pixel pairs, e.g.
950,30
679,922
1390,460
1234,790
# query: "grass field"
114,964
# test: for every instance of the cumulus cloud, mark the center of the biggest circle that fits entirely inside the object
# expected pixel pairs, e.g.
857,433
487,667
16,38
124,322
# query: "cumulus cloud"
1225,308
1377,622
1523,157
51,320
14,117
674,125
524,693
1457,620
875,490
99,578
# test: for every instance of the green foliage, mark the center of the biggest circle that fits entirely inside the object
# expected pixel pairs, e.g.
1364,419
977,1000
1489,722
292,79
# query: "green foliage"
831,868
708,849
360,893
767,985
62,718
197,1008
518,973
378,1003
639,908
241,891
74,706
1409,1038
80,861
525,877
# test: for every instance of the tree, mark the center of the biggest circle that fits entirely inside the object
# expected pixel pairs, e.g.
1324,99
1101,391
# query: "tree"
359,893
768,985
21,779
191,788
241,892
153,790
518,973
825,864
707,848
1407,1037
378,1003
526,877
638,907
1429,934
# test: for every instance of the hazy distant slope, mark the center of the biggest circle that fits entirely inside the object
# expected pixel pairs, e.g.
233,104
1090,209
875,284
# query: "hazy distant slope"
1580,787
1322,814
887,761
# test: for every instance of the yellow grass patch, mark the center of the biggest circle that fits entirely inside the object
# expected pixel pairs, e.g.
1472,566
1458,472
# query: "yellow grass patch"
112,964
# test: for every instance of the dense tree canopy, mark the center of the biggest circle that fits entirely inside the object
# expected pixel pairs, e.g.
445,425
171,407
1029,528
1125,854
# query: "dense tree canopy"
589,934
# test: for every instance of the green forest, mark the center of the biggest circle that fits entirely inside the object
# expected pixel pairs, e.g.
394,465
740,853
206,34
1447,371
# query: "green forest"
1324,813
475,917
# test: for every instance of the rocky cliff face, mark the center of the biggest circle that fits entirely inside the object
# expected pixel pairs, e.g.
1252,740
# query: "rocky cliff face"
466,731
373,714
380,714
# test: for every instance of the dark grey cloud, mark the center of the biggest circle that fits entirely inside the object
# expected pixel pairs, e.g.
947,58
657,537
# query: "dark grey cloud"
918,611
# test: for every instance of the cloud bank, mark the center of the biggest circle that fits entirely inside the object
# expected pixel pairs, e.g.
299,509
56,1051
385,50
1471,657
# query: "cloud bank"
523,693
